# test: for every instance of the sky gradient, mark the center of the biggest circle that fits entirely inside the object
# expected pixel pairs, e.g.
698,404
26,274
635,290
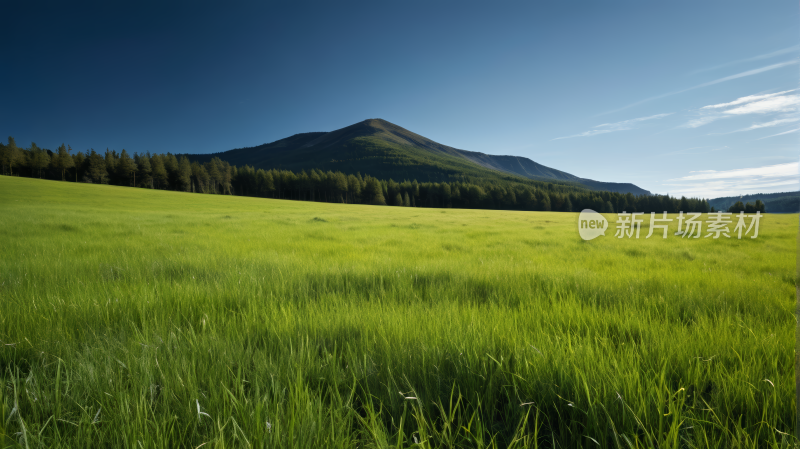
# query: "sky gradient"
686,98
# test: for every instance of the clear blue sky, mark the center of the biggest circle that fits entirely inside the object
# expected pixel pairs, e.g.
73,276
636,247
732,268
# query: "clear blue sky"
614,91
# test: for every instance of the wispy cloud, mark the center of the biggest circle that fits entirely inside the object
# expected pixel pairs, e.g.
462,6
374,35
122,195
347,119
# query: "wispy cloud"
771,124
780,134
775,103
701,121
719,188
613,127
711,83
746,99
713,183
747,73
786,103
771,171
784,51
689,151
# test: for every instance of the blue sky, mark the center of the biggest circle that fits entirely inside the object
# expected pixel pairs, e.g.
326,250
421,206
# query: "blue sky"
694,98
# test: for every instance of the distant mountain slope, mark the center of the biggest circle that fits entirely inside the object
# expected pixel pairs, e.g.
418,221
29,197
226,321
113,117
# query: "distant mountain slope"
385,150
783,202
529,169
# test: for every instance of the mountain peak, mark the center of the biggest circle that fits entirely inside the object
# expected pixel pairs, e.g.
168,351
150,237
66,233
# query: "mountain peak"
376,122
380,148
381,124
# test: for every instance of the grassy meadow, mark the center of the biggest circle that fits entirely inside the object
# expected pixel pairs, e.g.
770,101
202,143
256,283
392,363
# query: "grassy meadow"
140,318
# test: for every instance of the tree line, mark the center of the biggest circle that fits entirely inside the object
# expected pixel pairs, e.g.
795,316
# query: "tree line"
749,208
778,202
178,172
155,171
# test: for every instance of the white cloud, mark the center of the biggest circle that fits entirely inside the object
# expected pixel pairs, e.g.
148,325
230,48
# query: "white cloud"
789,169
747,99
591,132
786,103
778,122
713,183
773,103
780,134
719,188
626,123
698,122
612,127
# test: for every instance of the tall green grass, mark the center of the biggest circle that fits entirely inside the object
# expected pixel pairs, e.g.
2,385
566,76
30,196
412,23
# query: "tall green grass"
139,318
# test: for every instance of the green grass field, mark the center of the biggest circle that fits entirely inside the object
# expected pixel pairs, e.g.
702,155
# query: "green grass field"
140,318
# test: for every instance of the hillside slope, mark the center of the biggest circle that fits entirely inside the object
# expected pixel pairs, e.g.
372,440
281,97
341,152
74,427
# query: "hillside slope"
385,150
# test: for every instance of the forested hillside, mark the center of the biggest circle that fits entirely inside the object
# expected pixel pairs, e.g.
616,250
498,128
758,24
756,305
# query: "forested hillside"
168,171
783,202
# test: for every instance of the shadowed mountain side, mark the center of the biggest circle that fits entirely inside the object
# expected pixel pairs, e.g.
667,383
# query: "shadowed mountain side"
527,168
385,150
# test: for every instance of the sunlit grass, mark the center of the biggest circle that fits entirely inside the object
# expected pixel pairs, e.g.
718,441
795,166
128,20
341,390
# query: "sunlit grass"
139,318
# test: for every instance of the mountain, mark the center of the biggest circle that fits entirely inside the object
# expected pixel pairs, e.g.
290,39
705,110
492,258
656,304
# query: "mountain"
385,150
784,202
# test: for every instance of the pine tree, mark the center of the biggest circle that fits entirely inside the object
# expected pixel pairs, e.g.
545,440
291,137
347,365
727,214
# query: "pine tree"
3,157
511,199
567,206
78,161
4,151
172,167
144,169
406,201
11,155
62,160
546,206
160,175
527,200
446,195
200,175
213,172
39,159
737,207
314,183
126,168
97,168
340,184
185,174
353,188
375,192
684,205
111,164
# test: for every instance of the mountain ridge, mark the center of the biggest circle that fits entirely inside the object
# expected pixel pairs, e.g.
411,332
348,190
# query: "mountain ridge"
381,148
